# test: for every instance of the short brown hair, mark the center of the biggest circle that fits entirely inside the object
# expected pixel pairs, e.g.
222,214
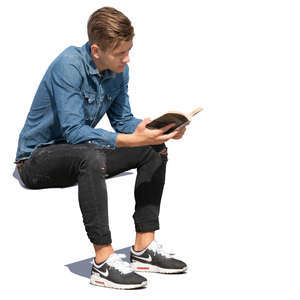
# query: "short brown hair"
108,27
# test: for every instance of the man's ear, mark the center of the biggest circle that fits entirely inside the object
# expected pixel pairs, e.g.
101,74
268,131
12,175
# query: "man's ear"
95,51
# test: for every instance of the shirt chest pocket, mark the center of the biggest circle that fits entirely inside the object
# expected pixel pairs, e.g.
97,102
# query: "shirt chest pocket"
90,106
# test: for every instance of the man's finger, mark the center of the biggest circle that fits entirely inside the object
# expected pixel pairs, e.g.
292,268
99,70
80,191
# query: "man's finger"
166,128
146,121
182,129
169,135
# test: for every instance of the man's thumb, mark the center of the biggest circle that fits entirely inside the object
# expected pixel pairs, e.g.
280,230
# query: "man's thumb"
146,121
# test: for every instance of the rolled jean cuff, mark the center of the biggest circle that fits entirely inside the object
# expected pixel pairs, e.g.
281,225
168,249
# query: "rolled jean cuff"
100,239
147,226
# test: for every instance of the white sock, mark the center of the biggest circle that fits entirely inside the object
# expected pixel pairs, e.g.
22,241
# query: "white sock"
98,265
137,252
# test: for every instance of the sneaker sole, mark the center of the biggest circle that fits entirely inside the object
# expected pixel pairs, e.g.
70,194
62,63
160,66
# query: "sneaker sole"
142,267
99,281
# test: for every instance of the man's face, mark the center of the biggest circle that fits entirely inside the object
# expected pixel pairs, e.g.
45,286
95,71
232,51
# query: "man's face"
114,60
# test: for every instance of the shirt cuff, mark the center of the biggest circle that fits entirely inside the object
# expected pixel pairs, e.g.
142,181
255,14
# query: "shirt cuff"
108,141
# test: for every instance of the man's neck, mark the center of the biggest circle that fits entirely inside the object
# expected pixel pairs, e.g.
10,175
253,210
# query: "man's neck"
98,66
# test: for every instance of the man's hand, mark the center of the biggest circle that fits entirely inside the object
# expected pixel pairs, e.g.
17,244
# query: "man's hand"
143,136
179,133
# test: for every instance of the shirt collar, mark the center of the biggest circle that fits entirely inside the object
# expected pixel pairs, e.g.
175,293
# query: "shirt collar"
91,67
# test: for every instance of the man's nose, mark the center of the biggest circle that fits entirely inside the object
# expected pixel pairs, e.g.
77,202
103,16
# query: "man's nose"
126,60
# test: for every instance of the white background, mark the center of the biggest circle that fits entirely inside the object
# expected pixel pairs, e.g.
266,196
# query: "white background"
231,202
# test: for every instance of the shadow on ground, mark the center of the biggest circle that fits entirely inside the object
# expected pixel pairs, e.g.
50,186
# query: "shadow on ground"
83,267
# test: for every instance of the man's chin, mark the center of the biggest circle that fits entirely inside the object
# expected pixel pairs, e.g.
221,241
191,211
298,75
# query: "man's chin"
119,69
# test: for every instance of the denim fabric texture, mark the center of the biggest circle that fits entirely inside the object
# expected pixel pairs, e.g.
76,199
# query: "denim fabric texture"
71,99
62,165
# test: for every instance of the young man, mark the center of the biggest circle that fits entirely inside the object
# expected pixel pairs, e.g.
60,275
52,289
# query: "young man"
59,146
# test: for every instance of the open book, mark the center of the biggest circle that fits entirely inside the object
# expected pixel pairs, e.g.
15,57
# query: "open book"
180,119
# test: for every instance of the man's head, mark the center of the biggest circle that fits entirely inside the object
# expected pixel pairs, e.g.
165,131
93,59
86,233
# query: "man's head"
110,37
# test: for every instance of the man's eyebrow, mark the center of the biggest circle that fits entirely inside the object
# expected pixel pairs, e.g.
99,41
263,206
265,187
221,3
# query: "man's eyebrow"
124,50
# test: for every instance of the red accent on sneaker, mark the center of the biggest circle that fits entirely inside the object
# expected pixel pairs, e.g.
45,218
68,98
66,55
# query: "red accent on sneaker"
142,268
100,282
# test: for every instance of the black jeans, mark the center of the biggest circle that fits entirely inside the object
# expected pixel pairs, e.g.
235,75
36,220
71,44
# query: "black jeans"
62,165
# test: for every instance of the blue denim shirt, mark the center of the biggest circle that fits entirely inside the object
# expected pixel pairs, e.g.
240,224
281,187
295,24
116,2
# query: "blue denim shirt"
71,99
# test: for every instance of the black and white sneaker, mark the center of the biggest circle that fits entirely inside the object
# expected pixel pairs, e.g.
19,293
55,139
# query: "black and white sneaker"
116,273
155,259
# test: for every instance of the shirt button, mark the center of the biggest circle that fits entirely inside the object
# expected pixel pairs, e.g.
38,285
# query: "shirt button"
107,146
101,99
89,101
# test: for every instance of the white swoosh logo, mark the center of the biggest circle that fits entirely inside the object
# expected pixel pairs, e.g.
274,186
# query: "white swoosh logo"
102,273
149,259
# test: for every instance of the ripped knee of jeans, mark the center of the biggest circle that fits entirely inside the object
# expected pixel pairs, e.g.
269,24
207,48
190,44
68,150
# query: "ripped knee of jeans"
164,151
164,154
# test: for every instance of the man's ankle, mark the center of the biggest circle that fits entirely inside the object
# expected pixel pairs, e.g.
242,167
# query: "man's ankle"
143,240
102,252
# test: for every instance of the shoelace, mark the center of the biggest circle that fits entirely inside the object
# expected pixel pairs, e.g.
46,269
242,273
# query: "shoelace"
115,260
157,247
